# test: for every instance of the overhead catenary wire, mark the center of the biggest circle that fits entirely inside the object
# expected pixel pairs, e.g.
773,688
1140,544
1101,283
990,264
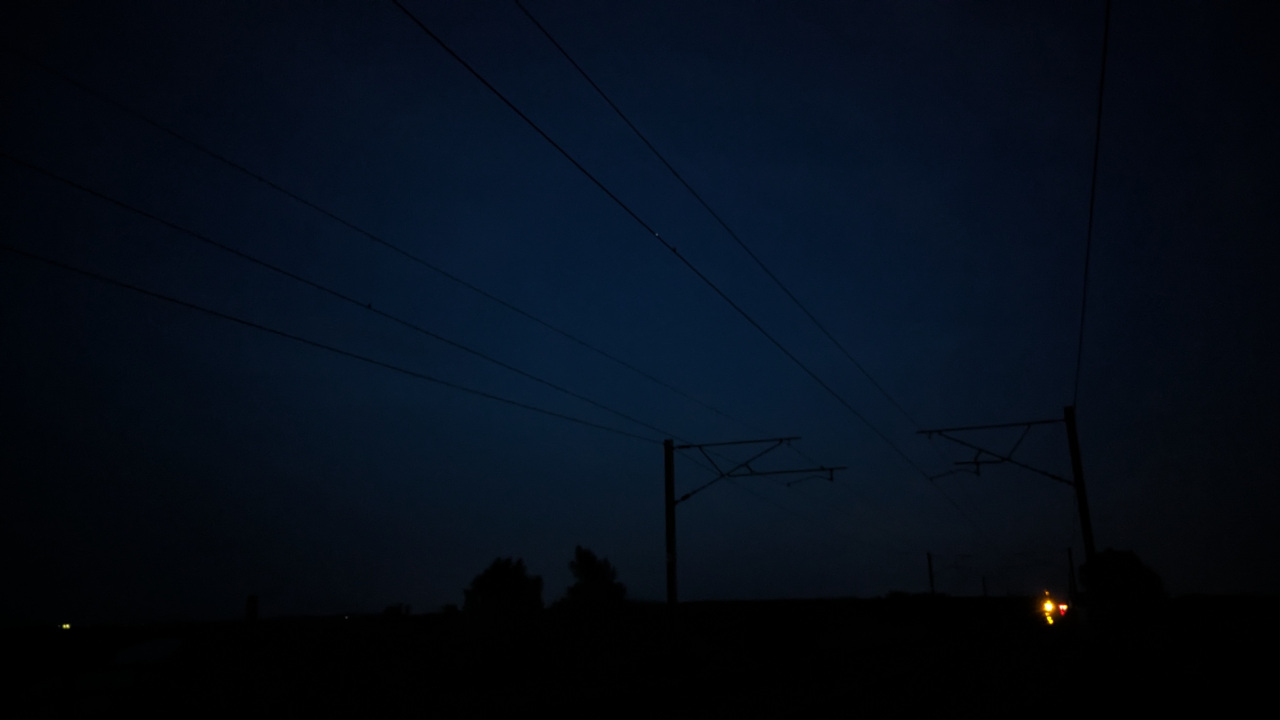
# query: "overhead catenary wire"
368,307
413,257
701,276
223,159
200,147
322,346
407,254
375,223
723,224
716,216
657,236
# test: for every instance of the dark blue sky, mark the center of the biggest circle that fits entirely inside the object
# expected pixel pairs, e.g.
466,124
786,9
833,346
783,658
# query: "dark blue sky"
917,174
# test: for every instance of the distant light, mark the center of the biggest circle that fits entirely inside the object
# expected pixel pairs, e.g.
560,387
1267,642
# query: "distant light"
1049,606
66,626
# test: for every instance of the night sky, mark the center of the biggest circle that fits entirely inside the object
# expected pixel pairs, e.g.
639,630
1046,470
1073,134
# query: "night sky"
917,175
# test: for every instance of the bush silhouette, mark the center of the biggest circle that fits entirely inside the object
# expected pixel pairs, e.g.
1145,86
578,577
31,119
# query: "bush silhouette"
596,585
504,588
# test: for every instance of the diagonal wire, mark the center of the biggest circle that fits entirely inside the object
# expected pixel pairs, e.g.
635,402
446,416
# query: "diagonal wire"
649,229
723,224
706,206
733,234
370,235
722,474
1021,437
368,307
322,346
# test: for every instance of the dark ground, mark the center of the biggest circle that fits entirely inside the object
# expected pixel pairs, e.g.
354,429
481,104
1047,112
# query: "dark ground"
893,657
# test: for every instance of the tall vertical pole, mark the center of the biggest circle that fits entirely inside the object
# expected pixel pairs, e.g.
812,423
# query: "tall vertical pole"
669,486
1077,472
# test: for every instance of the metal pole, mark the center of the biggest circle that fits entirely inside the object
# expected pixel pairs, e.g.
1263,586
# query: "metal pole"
1077,472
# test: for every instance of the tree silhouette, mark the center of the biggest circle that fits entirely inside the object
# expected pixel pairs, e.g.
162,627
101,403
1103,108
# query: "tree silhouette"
596,583
504,588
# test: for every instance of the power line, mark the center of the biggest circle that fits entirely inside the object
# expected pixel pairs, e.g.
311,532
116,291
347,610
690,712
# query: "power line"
335,293
720,220
372,236
1093,193
649,229
313,343
640,221
377,239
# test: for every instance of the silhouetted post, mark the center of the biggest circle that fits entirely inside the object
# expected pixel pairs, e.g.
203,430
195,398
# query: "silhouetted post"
1077,472
739,470
669,487
929,557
